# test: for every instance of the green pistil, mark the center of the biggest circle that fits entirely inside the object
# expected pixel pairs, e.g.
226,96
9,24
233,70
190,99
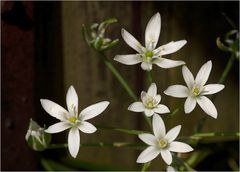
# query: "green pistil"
150,104
162,143
196,91
149,54
72,119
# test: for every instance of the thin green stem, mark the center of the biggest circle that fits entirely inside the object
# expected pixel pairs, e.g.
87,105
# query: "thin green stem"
100,144
222,79
214,134
145,166
183,166
150,76
119,77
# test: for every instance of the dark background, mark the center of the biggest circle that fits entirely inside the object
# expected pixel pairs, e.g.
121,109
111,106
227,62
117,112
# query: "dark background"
43,53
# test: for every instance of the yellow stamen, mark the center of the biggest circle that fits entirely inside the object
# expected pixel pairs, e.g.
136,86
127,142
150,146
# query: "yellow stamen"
72,119
162,143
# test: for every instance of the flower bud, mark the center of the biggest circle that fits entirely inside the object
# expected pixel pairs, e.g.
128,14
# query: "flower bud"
36,138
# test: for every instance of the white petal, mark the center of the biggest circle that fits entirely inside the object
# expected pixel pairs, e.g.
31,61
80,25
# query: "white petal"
152,31
188,77
180,147
148,154
143,96
72,100
73,141
130,59
212,88
167,63
146,66
190,104
179,91
58,127
132,42
166,156
54,109
161,109
170,169
203,73
87,127
136,107
148,139
149,112
173,133
170,48
93,110
152,90
157,98
207,105
159,129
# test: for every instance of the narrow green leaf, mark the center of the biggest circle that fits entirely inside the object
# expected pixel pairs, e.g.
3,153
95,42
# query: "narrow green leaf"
51,165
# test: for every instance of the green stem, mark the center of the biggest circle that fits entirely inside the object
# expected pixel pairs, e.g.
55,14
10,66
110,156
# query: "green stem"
123,130
145,166
222,79
183,166
119,77
150,77
100,144
214,134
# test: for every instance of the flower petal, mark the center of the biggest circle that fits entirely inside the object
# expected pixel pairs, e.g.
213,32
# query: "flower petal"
93,110
157,98
148,139
188,77
207,106
58,127
170,169
54,109
166,156
180,147
203,73
190,104
146,66
159,129
170,48
161,109
87,127
130,59
132,42
72,101
212,88
179,91
136,107
152,31
173,133
143,96
73,141
152,90
148,112
167,63
148,154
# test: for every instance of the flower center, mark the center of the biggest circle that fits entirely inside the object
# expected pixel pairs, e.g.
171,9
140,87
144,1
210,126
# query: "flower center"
162,143
196,91
150,103
148,56
72,119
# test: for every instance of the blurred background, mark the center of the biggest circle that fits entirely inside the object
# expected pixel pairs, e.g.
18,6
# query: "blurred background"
43,53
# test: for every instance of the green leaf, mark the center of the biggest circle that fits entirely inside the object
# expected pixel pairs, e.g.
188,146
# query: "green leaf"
86,35
110,45
221,46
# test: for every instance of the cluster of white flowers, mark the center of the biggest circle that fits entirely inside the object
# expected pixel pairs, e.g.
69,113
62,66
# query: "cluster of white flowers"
159,142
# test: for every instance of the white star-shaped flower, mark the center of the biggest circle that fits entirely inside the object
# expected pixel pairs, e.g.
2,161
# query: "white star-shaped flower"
150,103
196,90
171,169
71,119
149,54
161,143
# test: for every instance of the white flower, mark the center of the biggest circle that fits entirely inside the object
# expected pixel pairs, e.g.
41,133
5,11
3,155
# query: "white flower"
71,119
170,169
161,143
149,54
196,90
150,102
